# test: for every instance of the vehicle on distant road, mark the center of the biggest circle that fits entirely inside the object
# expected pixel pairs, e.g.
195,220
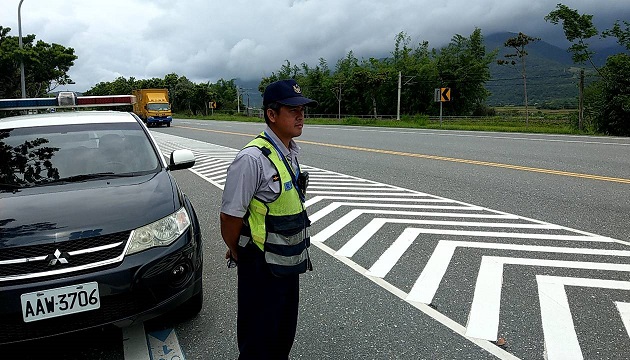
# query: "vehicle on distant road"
153,107
94,230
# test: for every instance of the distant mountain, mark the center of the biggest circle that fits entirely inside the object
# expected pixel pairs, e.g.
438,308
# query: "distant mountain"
250,92
552,77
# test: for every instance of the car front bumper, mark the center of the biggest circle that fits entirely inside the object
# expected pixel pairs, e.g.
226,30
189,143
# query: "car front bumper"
142,286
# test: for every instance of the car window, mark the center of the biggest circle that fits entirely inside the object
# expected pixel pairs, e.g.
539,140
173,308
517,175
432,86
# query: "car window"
158,106
40,155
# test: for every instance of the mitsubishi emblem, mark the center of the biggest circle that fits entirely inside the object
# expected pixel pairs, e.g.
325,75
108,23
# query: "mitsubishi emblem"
57,257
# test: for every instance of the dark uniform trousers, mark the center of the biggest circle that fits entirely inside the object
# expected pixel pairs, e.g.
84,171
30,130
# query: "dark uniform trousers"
267,308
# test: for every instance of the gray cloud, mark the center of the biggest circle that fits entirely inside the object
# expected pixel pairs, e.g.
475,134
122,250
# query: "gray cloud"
245,39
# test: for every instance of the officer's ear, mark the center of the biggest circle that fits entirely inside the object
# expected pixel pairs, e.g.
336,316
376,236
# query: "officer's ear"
271,114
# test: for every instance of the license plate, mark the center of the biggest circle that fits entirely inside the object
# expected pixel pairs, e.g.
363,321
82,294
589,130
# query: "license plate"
61,301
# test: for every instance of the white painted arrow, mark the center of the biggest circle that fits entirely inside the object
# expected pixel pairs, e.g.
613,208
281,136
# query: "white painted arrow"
427,284
561,342
483,320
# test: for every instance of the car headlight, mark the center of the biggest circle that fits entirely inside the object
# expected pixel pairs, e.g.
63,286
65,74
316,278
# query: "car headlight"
160,233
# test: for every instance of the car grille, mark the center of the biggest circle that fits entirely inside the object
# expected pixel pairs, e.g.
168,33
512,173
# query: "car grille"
35,261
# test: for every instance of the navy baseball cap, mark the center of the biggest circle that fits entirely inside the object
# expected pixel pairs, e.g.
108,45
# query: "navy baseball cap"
286,92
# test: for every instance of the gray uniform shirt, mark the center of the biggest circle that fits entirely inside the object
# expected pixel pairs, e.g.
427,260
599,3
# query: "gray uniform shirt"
251,175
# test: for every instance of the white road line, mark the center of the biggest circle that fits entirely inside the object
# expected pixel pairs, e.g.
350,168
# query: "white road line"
389,204
554,307
342,222
213,182
356,188
212,167
135,343
483,319
354,244
215,173
478,135
427,284
561,341
624,312
362,193
316,199
391,256
338,182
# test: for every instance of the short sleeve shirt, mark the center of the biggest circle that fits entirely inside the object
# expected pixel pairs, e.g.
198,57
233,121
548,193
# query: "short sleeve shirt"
252,174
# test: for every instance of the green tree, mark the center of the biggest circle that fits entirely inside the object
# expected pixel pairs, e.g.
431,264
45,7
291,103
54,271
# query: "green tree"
372,76
622,35
613,108
226,94
46,65
463,65
419,76
518,43
578,28
608,100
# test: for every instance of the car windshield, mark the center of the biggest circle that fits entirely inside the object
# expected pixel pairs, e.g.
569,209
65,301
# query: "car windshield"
158,106
70,153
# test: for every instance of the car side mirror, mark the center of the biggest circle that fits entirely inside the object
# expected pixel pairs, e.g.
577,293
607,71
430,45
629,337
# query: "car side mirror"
181,159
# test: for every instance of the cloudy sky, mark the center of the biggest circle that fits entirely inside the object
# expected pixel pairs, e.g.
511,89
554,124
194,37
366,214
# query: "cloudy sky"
248,39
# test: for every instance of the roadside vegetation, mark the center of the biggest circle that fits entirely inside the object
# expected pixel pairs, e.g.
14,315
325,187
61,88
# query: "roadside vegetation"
508,119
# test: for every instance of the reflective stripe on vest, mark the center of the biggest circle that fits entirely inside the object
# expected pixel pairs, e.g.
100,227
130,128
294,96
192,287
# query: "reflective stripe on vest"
279,228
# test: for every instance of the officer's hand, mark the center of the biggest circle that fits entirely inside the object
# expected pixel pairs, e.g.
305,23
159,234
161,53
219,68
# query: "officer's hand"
232,262
231,255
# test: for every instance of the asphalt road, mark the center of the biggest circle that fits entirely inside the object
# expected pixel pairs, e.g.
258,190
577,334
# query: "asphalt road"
427,245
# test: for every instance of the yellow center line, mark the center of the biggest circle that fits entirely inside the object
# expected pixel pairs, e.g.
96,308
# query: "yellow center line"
442,158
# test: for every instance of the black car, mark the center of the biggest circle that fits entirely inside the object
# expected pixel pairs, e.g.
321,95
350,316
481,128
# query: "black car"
94,230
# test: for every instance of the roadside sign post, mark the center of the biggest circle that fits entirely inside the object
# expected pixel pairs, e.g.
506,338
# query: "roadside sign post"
441,95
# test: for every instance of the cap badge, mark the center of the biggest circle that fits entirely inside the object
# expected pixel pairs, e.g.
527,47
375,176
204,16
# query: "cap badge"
297,89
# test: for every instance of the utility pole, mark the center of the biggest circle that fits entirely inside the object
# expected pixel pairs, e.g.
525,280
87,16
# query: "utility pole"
238,101
22,79
399,87
339,103
581,101
400,84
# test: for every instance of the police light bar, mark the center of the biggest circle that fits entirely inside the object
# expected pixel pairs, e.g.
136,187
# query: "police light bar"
66,99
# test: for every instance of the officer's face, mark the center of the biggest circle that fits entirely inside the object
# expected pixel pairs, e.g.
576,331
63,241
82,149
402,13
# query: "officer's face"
287,122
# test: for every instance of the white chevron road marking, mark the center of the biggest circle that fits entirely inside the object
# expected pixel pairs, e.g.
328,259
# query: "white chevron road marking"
483,319
353,245
561,342
315,199
342,222
427,284
390,204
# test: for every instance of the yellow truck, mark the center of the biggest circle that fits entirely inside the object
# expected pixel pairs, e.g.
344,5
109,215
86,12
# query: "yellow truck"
152,106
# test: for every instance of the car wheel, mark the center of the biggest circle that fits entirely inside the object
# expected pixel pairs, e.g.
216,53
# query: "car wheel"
168,124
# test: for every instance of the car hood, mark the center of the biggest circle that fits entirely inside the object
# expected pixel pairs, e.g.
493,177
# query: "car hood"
79,210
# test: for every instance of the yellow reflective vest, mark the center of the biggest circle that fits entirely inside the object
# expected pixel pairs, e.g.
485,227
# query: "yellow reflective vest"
280,227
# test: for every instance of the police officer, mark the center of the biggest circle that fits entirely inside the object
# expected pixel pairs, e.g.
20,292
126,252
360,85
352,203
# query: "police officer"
265,226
